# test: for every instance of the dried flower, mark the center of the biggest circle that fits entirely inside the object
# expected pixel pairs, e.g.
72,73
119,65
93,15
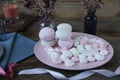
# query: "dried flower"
92,4
46,9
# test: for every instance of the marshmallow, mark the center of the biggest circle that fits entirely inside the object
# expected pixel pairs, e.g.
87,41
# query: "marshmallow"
75,52
63,34
104,52
83,60
81,48
75,59
99,57
88,47
64,58
69,63
65,44
67,53
54,55
57,61
47,34
91,58
64,26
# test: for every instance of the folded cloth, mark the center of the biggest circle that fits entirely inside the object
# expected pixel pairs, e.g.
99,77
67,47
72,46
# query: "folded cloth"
16,48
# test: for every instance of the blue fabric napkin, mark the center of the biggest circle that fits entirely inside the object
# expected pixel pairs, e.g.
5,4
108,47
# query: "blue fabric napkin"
16,48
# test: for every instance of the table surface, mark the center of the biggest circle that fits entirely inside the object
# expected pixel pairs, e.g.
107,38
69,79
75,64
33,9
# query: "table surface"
108,29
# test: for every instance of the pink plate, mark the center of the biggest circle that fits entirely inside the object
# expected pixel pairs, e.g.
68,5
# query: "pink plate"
41,54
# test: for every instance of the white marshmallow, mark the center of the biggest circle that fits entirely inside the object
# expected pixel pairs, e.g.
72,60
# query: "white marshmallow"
84,55
80,48
77,39
48,43
69,63
57,61
88,47
93,40
75,52
76,43
54,55
64,58
50,50
57,49
104,52
63,34
67,53
99,57
64,26
83,60
91,58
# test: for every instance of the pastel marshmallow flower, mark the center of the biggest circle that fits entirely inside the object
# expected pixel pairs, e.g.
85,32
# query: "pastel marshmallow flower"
104,52
84,55
63,34
93,40
77,39
47,34
83,60
67,53
95,45
64,26
64,58
69,63
50,50
99,57
75,59
76,43
54,55
81,48
88,47
57,61
91,58
75,52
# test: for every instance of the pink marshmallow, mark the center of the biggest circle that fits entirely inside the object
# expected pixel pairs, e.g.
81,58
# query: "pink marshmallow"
95,45
83,41
47,34
102,48
65,44
57,61
75,59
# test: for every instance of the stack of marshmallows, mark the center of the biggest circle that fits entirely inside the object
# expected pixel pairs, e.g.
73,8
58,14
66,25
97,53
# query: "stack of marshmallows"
47,36
63,34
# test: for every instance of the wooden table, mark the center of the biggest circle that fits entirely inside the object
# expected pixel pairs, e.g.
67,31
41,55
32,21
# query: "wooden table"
108,29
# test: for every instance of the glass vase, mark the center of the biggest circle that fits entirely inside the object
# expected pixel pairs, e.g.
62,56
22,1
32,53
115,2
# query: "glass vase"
47,21
90,23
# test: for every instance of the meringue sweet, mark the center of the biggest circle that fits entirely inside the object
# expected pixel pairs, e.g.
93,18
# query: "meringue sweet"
65,44
48,43
75,59
63,34
83,60
47,34
64,26
69,63
64,58
67,53
74,51
91,58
